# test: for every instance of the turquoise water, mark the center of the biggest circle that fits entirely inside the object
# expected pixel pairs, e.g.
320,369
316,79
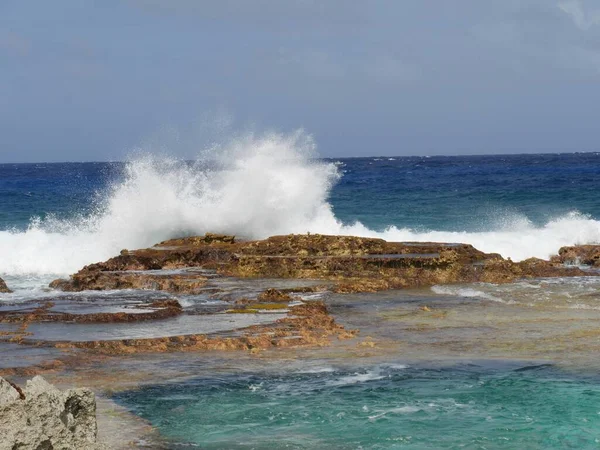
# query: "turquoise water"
378,407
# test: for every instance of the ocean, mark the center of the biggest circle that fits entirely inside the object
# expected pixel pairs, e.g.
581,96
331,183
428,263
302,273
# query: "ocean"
55,218
483,393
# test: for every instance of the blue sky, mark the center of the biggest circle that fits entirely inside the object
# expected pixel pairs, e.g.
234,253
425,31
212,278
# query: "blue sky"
91,80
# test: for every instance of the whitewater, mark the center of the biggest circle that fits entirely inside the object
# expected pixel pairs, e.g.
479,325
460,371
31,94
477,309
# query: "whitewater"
253,187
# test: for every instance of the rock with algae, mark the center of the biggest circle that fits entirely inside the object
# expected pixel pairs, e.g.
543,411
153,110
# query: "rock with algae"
354,264
42,417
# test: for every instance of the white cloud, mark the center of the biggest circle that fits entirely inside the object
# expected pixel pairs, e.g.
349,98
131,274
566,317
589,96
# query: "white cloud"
583,20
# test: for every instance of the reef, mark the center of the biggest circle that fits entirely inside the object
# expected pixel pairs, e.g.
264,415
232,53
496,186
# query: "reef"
159,309
3,287
40,416
216,292
354,264
307,324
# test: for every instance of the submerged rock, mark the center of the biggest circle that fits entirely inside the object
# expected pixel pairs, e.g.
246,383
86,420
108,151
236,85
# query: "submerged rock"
3,287
306,324
159,309
274,295
43,417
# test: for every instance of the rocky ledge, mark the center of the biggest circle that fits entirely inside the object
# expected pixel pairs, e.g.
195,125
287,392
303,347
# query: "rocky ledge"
42,417
3,287
354,264
588,255
307,324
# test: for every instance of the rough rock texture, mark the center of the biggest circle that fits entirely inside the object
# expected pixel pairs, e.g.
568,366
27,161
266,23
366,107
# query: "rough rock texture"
274,295
100,281
355,264
160,309
579,254
41,417
307,324
8,393
3,287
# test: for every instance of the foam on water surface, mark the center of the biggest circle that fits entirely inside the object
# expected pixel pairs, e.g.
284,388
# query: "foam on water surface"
576,292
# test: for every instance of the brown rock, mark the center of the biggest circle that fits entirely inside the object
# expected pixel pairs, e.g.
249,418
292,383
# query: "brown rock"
308,324
579,254
160,309
208,238
355,264
101,281
274,295
3,287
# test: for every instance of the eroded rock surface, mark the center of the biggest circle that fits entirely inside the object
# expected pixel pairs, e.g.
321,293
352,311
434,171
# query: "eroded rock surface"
98,280
355,264
42,417
159,309
579,254
307,324
3,287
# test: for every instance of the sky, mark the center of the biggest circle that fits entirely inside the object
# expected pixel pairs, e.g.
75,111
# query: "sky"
92,80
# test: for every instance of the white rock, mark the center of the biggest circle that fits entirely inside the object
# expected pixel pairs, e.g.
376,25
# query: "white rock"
37,386
8,394
47,418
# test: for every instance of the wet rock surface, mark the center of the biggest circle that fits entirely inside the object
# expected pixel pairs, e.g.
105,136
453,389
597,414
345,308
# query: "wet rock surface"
47,312
214,292
40,416
580,254
188,283
307,324
229,314
3,287
356,264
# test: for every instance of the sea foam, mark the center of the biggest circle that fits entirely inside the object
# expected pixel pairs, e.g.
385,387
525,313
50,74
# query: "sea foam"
255,187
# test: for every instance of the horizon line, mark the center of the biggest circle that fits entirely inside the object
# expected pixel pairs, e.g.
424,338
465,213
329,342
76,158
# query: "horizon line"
338,157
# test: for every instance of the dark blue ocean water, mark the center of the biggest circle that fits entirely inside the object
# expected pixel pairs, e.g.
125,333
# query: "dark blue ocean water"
449,193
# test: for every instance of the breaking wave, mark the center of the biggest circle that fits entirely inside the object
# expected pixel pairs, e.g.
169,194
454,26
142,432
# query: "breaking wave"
255,187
